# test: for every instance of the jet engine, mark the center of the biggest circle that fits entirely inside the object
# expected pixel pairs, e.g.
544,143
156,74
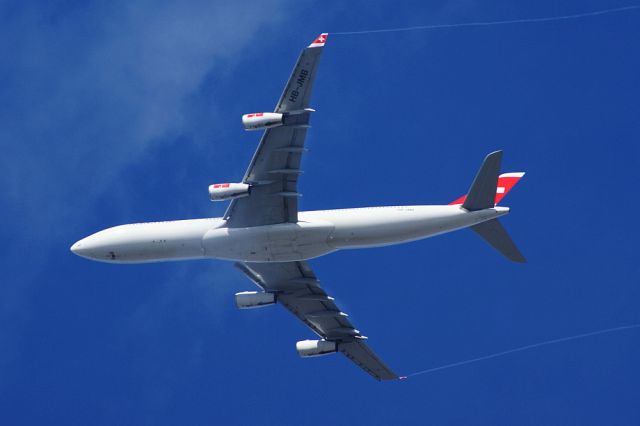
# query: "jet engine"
309,348
228,191
254,299
262,120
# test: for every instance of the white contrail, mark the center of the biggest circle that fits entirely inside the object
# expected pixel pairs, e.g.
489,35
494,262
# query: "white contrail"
491,23
524,348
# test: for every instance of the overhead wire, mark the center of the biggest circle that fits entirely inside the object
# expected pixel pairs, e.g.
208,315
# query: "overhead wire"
523,348
554,18
493,23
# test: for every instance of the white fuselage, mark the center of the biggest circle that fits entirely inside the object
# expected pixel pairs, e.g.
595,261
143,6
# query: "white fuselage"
315,234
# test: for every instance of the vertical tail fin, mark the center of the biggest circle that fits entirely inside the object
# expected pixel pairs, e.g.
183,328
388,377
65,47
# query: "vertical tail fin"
506,181
486,191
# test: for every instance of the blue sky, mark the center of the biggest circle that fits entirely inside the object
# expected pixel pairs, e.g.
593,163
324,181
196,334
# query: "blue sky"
124,112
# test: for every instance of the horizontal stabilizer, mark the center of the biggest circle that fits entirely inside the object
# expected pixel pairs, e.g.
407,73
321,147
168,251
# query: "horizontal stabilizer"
493,232
482,193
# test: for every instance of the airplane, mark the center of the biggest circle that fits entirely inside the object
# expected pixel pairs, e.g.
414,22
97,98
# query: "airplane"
270,241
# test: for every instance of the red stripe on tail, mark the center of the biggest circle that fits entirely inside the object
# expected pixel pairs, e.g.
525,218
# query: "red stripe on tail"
506,181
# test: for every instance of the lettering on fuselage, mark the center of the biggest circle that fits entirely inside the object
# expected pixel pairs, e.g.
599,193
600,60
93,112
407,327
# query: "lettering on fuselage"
300,81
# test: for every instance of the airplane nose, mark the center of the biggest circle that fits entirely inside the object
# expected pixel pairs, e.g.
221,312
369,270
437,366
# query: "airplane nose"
83,248
94,247
76,248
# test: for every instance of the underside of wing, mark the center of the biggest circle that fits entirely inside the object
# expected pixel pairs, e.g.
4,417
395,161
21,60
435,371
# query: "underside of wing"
296,287
273,177
275,167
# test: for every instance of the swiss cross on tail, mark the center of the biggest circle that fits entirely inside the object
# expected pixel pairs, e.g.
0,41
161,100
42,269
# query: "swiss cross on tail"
320,40
506,181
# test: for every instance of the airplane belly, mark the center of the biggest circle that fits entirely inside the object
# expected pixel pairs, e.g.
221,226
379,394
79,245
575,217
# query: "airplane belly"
385,226
284,242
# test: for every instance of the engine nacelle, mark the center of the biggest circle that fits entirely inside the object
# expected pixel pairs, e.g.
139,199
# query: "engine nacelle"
262,120
254,299
228,191
309,348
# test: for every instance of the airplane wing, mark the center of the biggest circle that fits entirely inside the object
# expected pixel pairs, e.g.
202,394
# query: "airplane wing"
275,167
297,288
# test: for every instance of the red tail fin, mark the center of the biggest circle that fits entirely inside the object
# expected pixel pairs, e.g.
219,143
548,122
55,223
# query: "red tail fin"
506,181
